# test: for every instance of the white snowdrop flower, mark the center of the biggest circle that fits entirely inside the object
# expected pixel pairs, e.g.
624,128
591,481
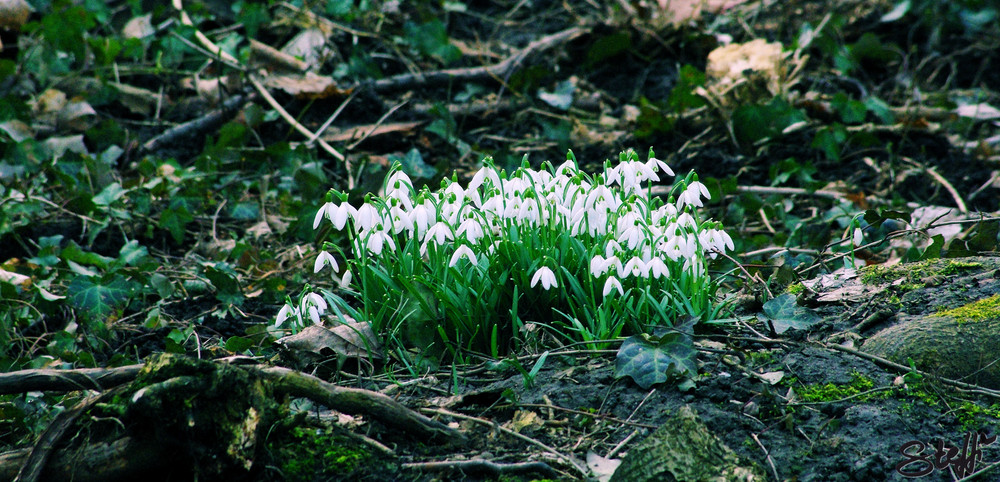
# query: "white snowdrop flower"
529,213
314,305
338,215
471,229
345,282
366,217
421,218
322,213
635,267
598,266
455,193
376,241
399,181
726,241
658,165
494,205
325,258
283,314
546,276
664,212
616,263
612,283
858,237
674,247
715,240
439,233
597,222
690,246
612,249
485,173
398,219
644,172
632,237
657,267
463,251
567,168
686,220
693,194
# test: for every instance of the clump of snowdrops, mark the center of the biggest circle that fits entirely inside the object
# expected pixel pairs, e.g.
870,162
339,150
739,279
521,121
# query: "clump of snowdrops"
556,253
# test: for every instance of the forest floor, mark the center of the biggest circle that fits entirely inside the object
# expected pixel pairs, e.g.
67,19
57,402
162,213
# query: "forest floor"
876,116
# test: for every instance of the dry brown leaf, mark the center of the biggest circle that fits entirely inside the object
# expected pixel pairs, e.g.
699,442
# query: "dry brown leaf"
355,133
15,279
14,14
77,115
353,340
308,85
310,46
52,100
139,27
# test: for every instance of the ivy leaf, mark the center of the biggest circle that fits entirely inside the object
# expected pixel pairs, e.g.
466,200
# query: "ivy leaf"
96,300
227,288
785,313
174,219
653,359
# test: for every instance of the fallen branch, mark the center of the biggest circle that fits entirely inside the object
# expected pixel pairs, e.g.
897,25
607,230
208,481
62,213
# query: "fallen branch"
48,380
196,126
496,71
356,400
484,467
581,470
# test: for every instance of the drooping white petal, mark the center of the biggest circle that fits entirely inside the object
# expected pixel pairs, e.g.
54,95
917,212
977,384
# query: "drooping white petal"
635,267
546,276
613,283
283,315
321,213
463,251
324,258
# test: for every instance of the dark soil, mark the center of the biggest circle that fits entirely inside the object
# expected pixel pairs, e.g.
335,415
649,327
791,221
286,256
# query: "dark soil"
581,407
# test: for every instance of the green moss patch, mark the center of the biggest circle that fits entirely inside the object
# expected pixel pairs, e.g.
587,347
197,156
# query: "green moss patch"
915,273
982,310
838,391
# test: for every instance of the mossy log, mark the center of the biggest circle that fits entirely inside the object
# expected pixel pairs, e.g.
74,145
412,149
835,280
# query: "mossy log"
962,350
184,417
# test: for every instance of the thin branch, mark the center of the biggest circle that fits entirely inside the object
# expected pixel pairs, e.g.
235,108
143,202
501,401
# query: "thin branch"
948,187
480,466
302,129
569,460
196,126
498,70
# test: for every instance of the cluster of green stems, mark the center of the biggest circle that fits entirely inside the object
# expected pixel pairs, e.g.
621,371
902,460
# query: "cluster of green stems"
554,252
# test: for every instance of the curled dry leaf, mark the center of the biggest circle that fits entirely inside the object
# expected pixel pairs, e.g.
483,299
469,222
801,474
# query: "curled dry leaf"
353,340
77,115
139,27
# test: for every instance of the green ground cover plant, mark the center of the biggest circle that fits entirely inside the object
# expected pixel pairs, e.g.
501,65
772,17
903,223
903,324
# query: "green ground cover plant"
556,252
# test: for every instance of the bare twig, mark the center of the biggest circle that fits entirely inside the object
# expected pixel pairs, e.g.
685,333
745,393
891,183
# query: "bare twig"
204,40
376,126
66,380
486,467
948,187
583,471
277,57
498,70
302,129
767,455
